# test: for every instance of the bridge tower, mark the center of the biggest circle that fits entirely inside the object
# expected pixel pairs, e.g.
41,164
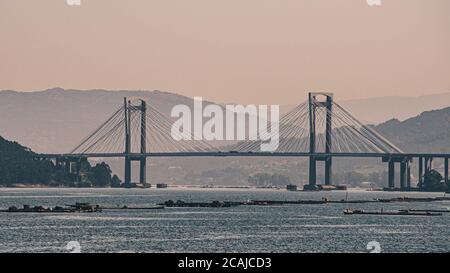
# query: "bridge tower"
129,109
315,103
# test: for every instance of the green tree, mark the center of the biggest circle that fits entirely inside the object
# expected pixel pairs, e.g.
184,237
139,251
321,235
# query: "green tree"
115,181
100,175
432,181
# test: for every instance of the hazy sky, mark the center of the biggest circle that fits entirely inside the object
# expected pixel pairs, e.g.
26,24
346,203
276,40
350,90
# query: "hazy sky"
247,51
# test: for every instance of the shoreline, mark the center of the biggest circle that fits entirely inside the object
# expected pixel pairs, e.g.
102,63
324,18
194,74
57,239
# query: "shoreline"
206,187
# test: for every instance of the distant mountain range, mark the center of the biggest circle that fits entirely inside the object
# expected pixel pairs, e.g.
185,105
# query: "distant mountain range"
380,109
427,132
56,120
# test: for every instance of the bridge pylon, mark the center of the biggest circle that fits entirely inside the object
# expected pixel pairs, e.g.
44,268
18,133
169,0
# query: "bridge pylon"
314,104
129,109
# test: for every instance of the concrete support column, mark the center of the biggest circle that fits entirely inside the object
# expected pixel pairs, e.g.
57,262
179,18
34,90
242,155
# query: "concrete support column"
67,165
408,175
446,170
403,170
78,166
391,174
127,171
428,164
328,170
420,170
312,171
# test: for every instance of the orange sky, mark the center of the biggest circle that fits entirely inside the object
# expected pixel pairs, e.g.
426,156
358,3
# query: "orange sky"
247,51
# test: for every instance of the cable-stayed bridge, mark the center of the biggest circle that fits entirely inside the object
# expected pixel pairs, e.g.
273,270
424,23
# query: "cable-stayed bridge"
319,129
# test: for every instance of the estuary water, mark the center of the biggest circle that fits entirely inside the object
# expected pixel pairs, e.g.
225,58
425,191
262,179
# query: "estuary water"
286,228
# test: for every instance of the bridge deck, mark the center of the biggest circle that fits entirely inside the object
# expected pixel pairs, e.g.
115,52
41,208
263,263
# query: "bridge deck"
244,154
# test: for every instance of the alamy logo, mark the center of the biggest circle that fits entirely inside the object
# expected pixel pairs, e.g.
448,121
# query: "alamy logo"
227,123
374,3
374,247
73,2
73,247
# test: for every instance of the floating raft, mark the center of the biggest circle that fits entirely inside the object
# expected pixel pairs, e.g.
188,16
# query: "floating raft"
323,201
77,207
414,199
214,204
74,208
132,208
309,202
429,210
399,213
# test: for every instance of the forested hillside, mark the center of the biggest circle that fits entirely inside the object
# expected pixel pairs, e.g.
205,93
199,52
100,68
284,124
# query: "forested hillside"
19,166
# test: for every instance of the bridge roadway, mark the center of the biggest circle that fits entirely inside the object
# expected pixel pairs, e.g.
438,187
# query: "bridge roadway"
246,154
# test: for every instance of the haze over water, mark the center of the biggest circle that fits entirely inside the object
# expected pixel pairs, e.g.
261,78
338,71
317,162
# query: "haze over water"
287,228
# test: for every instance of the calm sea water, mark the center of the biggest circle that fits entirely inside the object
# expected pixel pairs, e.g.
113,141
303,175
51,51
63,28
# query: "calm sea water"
287,228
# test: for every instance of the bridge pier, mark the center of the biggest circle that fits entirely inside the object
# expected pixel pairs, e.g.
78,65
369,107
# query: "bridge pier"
391,175
405,172
446,170
127,176
430,164
328,169
420,170
408,175
142,170
67,165
312,172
